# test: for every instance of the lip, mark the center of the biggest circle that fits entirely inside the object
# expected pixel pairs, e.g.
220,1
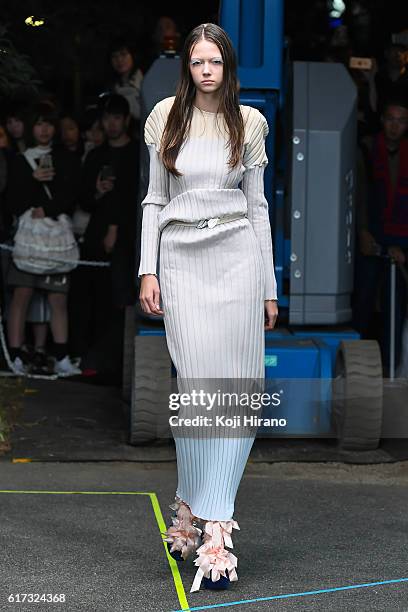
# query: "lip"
206,82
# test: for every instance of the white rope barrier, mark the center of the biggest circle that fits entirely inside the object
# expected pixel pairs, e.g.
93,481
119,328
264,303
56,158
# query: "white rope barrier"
3,343
82,262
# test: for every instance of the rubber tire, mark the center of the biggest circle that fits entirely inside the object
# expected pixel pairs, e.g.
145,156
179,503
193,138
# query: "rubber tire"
150,389
357,399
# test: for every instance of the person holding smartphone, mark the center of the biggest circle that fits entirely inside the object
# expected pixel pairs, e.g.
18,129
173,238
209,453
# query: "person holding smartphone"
109,190
45,179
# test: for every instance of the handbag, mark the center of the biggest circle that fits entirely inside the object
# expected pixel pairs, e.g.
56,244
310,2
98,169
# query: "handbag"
44,246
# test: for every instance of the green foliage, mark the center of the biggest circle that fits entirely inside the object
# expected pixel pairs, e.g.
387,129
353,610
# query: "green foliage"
16,71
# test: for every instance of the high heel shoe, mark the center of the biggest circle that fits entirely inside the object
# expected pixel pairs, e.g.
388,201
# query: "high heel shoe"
183,538
216,565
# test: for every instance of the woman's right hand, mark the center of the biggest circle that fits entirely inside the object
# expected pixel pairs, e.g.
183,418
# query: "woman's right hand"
44,174
150,294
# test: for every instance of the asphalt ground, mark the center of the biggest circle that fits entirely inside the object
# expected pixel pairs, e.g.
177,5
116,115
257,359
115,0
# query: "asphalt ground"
82,512
67,420
80,530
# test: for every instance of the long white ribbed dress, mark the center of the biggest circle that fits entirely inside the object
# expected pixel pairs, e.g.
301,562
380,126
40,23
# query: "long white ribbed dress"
213,283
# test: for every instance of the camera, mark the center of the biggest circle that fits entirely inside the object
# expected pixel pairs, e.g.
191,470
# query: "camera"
46,161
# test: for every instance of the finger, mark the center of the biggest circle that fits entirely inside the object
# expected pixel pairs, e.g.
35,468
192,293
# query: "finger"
145,306
141,303
156,299
155,306
151,303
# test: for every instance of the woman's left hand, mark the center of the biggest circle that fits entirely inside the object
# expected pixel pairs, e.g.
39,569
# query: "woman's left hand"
38,213
271,309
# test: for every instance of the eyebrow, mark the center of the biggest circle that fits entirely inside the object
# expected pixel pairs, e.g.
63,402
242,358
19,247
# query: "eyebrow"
201,59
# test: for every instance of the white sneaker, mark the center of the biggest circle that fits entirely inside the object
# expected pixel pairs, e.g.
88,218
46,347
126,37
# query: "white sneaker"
64,367
18,367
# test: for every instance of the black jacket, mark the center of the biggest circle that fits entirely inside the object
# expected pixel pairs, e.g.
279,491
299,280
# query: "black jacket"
119,206
24,191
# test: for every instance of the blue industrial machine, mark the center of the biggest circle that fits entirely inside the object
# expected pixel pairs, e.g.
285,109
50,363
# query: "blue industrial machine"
330,381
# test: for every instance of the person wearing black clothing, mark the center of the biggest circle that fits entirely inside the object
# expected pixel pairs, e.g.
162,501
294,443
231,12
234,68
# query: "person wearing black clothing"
38,312
109,191
26,190
382,227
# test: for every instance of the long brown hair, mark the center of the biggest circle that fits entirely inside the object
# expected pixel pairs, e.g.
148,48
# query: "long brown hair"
180,115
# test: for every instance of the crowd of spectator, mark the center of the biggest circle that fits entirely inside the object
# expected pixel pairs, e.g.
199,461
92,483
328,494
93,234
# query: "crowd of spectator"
84,165
382,202
55,161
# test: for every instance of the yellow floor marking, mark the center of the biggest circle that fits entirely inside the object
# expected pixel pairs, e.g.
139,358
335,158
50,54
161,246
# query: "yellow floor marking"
159,520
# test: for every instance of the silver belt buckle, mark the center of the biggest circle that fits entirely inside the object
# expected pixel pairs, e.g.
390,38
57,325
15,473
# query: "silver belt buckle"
213,222
202,223
208,223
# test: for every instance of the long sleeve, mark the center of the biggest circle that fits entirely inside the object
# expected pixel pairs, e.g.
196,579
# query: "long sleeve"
255,161
157,197
65,186
20,187
89,172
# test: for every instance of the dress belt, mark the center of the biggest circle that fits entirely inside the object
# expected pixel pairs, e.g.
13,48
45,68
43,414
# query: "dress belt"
212,222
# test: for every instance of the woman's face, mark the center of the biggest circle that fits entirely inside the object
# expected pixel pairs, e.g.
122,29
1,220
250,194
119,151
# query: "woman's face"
95,134
69,132
122,61
43,132
15,127
206,66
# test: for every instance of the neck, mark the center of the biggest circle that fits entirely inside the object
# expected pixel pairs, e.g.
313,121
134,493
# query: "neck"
119,142
207,101
125,76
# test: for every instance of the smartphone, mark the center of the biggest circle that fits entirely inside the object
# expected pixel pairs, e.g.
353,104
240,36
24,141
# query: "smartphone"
46,161
107,172
361,63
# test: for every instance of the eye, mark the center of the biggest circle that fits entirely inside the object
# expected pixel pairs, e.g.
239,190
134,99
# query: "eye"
217,62
195,62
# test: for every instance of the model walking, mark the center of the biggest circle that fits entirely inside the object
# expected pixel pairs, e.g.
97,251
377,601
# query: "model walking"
216,274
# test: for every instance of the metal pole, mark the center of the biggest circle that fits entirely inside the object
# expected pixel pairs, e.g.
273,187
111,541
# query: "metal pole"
392,321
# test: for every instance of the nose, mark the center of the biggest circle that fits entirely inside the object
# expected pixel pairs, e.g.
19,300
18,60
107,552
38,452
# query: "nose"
206,68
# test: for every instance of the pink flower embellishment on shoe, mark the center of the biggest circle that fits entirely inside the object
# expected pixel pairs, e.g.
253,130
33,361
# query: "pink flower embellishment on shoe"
213,559
183,535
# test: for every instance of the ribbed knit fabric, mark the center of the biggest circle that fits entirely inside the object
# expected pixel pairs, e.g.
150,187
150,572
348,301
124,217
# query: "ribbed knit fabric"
213,285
